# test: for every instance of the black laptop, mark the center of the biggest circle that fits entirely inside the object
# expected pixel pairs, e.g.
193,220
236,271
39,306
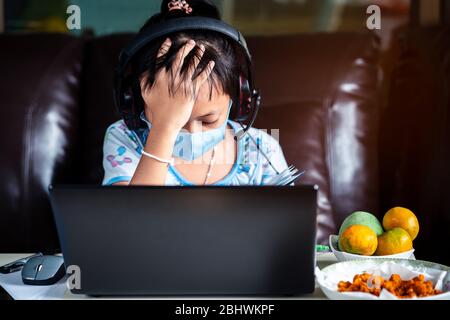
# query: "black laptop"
170,241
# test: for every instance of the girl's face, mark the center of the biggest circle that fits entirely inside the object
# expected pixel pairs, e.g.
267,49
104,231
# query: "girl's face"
208,113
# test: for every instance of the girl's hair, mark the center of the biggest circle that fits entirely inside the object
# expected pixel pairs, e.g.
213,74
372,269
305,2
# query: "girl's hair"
230,60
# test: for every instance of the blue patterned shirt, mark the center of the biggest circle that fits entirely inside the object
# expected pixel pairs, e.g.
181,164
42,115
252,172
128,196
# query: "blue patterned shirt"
122,151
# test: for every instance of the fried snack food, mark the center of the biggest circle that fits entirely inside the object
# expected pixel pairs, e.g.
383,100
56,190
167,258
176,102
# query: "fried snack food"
366,282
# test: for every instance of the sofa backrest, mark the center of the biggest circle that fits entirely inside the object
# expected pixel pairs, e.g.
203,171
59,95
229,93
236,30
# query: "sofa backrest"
321,91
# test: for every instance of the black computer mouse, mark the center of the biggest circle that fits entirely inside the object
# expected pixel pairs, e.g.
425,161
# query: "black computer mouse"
43,270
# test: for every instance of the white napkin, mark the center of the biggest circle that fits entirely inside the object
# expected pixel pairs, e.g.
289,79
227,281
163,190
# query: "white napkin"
13,284
345,272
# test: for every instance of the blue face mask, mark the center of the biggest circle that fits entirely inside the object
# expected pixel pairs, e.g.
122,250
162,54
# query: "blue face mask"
191,146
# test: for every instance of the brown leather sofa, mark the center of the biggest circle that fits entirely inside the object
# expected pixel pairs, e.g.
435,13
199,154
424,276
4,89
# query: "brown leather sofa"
321,91
415,135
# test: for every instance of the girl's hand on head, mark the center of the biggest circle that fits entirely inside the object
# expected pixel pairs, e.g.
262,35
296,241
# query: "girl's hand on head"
172,110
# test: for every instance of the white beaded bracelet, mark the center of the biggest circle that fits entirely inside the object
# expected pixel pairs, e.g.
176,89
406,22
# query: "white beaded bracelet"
171,162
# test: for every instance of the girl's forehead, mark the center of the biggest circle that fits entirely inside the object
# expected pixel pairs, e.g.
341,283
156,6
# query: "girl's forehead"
214,86
204,105
208,90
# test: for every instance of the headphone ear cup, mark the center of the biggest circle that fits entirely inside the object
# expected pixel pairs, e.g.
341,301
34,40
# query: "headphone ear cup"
244,108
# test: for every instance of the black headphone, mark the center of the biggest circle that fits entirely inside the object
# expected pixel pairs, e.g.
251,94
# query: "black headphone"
127,91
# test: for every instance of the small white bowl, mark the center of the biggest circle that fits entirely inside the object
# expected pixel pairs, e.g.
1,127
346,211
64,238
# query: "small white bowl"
344,256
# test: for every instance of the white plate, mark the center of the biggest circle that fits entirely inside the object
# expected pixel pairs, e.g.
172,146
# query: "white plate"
329,277
344,256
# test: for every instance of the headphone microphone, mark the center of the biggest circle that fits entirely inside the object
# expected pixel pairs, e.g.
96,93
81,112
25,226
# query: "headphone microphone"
256,101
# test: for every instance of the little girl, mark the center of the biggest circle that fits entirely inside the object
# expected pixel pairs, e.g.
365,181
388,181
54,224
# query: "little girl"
189,83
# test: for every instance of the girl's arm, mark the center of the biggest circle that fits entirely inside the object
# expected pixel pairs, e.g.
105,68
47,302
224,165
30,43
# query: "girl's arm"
160,142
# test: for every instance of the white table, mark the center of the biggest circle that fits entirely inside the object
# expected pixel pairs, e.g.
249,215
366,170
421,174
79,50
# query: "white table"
62,293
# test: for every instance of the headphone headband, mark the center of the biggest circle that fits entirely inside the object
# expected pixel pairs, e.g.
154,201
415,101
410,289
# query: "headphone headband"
178,25
127,94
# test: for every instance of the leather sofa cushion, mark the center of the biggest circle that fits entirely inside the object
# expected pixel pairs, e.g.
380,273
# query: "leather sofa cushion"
337,74
302,133
40,98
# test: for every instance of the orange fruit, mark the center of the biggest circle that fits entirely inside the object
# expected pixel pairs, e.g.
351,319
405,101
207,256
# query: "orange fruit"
394,241
399,217
358,239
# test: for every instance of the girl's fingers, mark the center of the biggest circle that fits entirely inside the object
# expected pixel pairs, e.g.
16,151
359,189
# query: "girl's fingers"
197,58
181,55
202,77
164,48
